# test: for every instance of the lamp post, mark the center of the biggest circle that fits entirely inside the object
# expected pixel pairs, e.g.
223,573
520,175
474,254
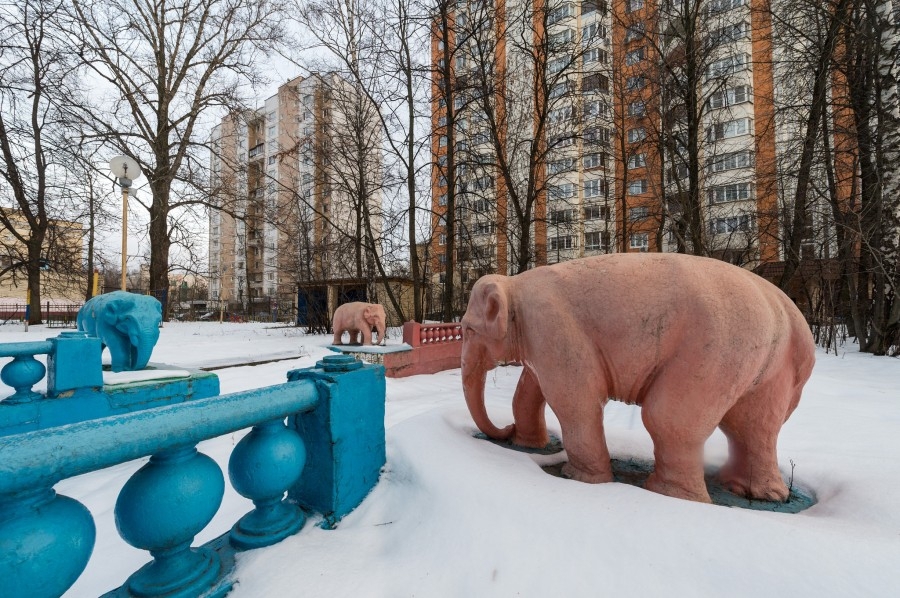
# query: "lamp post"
222,295
126,170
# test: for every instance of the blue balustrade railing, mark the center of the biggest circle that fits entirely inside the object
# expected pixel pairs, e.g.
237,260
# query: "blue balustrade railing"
319,438
24,371
75,390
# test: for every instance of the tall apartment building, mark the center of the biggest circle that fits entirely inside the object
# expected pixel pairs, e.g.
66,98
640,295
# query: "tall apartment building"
676,126
297,181
529,114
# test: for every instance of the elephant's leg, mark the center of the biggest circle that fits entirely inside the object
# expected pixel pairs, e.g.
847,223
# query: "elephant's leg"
528,413
679,433
751,427
581,418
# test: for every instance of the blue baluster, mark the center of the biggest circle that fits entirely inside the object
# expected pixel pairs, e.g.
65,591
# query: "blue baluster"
263,465
23,372
45,543
161,508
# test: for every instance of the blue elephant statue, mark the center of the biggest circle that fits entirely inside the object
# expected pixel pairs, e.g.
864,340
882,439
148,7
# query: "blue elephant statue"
125,322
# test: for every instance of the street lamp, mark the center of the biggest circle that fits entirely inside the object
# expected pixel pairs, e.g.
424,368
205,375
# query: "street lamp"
126,170
222,294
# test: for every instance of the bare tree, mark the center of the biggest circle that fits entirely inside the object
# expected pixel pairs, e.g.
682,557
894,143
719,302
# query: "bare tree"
39,79
167,66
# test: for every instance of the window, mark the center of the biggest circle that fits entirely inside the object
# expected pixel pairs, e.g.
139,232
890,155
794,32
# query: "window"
460,62
727,66
728,129
442,141
636,108
559,89
717,6
558,64
638,213
637,161
558,217
562,140
442,121
634,31
596,212
639,241
589,6
635,83
442,199
595,108
560,114
562,38
730,224
272,159
594,188
732,192
592,32
559,13
564,242
634,56
594,161
483,183
730,161
595,82
271,131
563,191
597,136
636,135
728,33
484,228
637,187
597,55
596,241
633,5
557,166
731,96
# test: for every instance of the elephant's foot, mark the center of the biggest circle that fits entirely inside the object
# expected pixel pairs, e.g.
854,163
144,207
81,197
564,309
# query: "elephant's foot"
771,488
535,439
695,491
601,476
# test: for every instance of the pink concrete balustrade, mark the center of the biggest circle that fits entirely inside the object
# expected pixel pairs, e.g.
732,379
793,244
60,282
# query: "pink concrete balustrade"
419,335
435,348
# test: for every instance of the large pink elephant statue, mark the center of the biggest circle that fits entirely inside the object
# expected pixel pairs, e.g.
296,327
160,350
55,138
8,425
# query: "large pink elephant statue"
696,342
359,319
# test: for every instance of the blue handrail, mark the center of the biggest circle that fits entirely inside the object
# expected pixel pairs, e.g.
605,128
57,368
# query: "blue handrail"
44,457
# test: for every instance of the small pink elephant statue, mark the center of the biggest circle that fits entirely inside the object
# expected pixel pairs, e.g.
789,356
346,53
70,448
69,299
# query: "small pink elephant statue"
696,342
359,319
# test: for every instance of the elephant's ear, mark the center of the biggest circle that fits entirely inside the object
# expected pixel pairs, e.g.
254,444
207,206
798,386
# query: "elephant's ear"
110,313
496,310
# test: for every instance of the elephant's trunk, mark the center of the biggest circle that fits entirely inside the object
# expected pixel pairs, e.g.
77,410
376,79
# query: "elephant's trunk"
474,377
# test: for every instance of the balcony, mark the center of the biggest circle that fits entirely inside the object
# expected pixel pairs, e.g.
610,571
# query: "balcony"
257,151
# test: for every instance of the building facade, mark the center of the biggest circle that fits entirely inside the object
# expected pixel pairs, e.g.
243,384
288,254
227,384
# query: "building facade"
522,114
297,184
660,125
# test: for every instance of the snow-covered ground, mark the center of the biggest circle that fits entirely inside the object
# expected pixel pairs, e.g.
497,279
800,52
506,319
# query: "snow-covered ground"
457,516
